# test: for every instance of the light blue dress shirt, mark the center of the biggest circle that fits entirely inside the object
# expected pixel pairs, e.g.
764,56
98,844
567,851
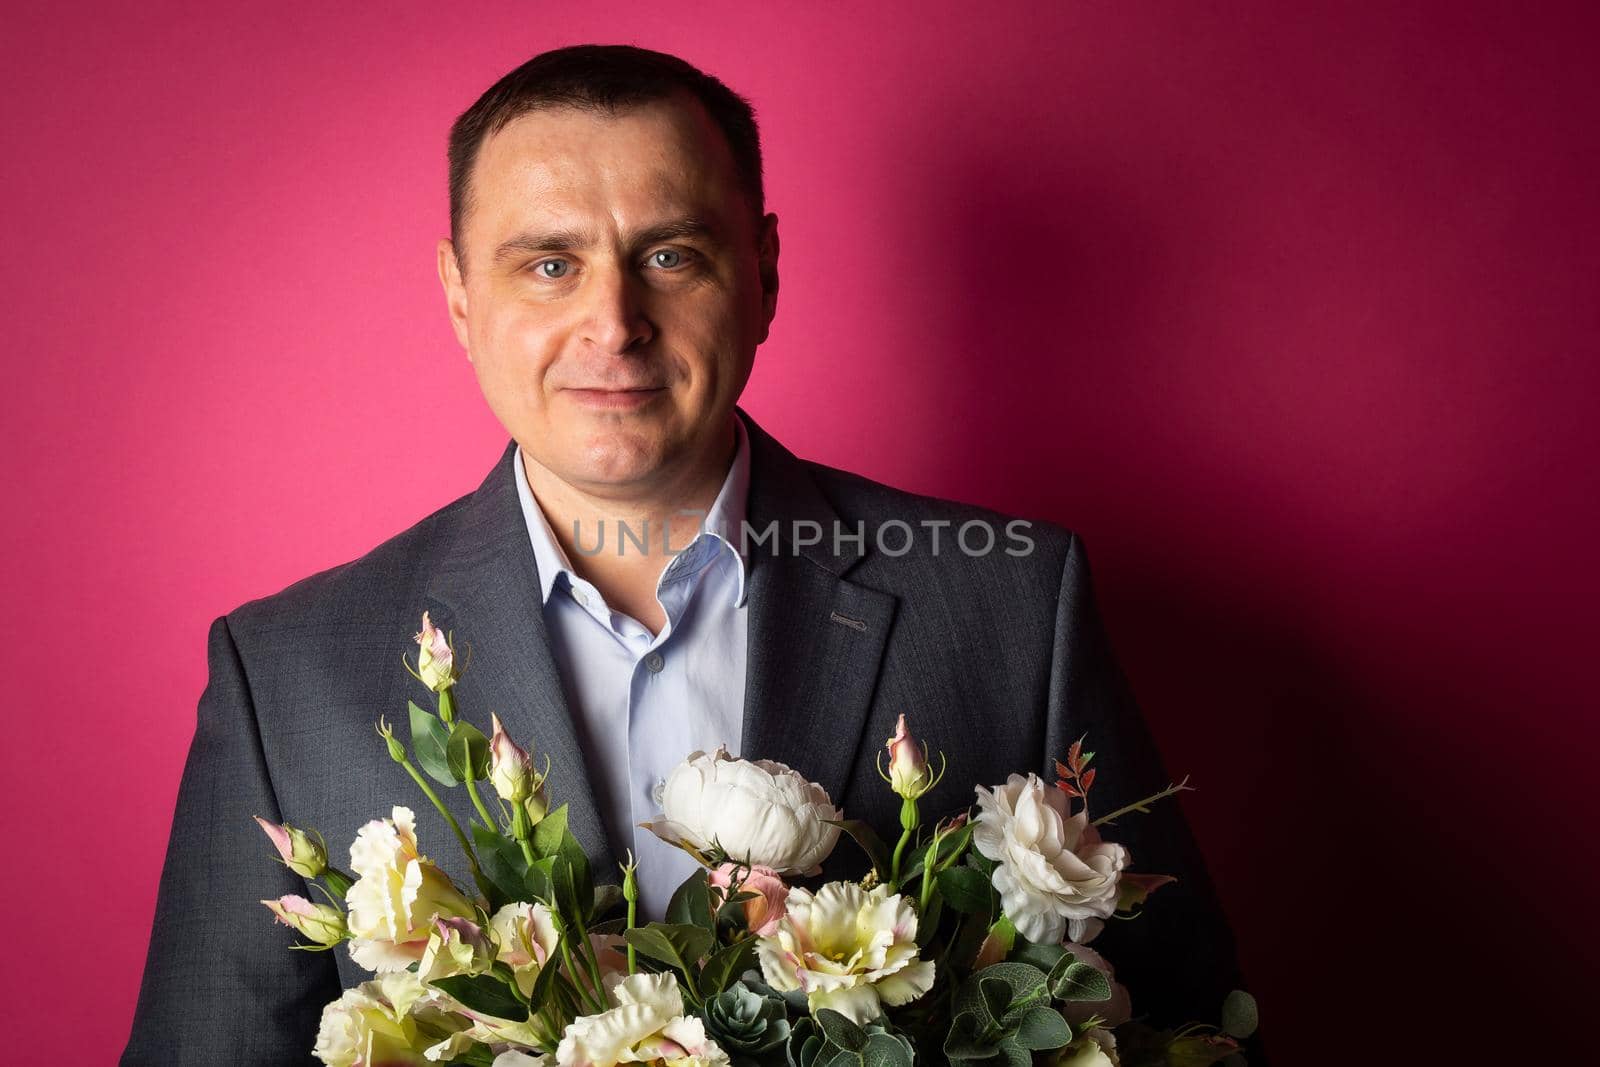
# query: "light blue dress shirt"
643,702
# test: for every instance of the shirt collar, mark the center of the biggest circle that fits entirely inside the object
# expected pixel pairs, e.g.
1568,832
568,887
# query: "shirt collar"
723,520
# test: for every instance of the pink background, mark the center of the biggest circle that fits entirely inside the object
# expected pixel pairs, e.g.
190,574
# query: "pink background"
1289,309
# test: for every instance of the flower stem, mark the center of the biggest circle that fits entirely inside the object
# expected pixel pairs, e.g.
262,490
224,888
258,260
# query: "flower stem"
1142,806
455,827
477,802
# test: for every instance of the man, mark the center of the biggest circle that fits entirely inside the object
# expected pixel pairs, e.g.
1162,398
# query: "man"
611,272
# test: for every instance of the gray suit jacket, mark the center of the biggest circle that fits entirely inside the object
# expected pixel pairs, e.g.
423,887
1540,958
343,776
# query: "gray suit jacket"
999,660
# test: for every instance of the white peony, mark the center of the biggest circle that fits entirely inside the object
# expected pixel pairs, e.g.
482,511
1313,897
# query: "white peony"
390,1020
759,812
647,1025
1055,875
850,949
396,896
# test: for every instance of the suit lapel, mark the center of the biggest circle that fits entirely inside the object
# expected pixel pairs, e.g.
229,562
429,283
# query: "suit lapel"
815,640
486,589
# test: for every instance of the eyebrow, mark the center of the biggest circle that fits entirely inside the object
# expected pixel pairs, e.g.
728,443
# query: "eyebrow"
568,240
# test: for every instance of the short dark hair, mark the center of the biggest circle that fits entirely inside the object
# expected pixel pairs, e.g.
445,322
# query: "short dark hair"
601,77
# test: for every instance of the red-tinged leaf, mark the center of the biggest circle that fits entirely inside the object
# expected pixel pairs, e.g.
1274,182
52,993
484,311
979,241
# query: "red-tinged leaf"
1062,771
1067,789
1073,753
1088,780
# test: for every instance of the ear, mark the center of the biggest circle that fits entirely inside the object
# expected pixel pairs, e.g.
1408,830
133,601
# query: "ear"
768,266
455,291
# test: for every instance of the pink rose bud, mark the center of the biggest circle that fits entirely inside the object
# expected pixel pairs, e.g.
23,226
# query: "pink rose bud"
908,764
303,854
510,766
321,924
762,911
435,659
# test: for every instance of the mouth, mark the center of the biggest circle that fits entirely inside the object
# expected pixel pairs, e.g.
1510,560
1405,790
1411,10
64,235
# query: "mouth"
616,399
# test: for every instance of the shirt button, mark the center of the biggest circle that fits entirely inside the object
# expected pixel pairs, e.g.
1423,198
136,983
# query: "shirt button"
659,791
654,662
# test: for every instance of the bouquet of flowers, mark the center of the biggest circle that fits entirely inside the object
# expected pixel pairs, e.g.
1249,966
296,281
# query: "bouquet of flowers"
966,940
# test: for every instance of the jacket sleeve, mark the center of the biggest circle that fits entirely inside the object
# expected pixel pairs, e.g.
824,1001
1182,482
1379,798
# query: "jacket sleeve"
221,984
1176,957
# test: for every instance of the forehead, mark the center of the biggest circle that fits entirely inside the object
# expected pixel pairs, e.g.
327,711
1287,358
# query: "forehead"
620,169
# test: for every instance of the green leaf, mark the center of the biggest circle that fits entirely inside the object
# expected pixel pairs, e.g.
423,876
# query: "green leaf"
1042,1029
540,880
1026,982
964,1042
841,1031
691,902
726,965
467,751
1044,957
548,834
677,946
564,887
965,889
1239,1014
502,862
870,843
885,1050
484,993
950,846
996,996
430,741
1072,980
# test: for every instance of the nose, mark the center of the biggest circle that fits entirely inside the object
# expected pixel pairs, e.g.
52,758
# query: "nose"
615,321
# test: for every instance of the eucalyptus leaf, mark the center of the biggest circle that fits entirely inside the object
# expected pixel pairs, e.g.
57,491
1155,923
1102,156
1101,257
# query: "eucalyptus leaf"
1239,1014
885,1050
1042,1029
841,1031
1074,981
430,740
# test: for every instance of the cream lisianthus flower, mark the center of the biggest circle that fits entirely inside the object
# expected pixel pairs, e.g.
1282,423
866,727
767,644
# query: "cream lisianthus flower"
456,946
391,1020
850,949
527,939
759,812
396,895
1055,876
647,1025
436,660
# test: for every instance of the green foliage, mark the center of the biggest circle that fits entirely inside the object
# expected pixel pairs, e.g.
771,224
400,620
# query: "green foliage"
950,848
831,1040
1239,1014
484,993
502,864
430,741
467,752
725,965
691,902
1004,1010
752,1029
680,946
1074,981
965,889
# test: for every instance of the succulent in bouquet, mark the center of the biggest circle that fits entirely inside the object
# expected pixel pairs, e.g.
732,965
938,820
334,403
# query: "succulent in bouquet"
966,940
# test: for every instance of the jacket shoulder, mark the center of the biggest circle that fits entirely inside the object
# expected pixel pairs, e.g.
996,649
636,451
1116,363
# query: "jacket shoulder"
1038,545
364,587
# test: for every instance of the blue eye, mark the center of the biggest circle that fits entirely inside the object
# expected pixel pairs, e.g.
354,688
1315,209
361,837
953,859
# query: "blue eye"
673,256
546,272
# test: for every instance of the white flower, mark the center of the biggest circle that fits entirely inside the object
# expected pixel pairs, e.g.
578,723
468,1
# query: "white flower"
647,1025
849,949
759,812
1094,1048
513,1058
526,934
1055,875
378,1023
396,895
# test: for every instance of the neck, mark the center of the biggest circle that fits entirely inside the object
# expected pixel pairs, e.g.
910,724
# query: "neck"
647,523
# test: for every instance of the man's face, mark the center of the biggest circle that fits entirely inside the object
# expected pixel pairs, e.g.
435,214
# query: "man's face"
611,291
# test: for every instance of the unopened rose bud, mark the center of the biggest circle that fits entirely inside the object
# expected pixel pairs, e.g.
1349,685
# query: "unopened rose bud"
909,775
435,659
303,854
321,924
510,766
538,802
